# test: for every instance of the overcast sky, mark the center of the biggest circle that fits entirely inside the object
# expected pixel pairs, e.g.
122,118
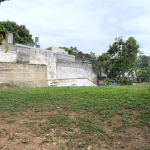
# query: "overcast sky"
89,25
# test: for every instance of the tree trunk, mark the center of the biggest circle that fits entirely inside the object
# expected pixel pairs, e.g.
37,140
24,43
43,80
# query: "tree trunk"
122,78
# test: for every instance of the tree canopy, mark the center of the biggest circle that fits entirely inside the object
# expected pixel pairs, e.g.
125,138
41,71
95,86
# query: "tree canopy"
20,33
120,58
72,50
3,42
2,1
142,68
49,48
142,61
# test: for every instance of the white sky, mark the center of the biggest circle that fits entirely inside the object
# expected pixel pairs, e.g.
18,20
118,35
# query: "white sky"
89,25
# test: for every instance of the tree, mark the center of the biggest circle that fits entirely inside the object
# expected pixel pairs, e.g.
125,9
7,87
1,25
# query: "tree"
49,48
119,58
105,64
20,33
142,61
107,81
143,74
71,50
2,1
143,69
2,32
3,42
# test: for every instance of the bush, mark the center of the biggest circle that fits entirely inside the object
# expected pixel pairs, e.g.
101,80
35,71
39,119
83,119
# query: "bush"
126,81
107,81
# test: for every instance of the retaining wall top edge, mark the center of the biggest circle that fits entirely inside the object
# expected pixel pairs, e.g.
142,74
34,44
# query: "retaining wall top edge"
65,55
21,63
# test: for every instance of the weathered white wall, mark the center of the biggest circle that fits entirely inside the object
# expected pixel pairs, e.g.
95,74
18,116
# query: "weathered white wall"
72,70
10,56
60,67
10,38
57,49
44,57
73,82
65,57
31,75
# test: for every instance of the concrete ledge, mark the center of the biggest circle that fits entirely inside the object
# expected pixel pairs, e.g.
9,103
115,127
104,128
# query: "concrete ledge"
72,82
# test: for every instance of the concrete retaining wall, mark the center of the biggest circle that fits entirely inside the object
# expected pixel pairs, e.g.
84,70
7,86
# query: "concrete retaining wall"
65,57
23,74
72,82
75,70
58,66
10,56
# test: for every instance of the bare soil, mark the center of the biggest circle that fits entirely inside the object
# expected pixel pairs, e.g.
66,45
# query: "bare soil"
29,130
6,85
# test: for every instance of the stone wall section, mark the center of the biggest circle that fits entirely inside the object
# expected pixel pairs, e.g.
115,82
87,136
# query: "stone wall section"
24,75
10,56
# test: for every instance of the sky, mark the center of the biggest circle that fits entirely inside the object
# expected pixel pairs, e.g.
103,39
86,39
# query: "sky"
89,25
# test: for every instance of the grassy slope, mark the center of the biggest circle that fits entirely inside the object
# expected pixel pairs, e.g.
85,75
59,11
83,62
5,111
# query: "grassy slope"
105,101
93,105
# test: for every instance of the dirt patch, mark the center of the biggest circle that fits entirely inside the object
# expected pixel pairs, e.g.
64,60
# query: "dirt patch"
6,85
126,132
32,130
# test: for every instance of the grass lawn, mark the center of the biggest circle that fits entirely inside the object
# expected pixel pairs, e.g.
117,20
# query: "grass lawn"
66,118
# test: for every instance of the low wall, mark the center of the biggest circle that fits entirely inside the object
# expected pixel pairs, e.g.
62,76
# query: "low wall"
65,57
23,74
58,50
72,70
74,65
72,82
10,56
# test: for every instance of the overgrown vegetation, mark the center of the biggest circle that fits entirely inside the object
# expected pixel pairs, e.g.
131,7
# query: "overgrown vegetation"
2,1
120,58
21,34
3,33
81,116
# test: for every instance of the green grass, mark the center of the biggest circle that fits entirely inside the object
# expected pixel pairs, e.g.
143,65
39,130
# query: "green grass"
78,114
104,102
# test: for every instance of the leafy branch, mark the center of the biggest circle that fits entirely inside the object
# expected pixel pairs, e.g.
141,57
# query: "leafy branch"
2,39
